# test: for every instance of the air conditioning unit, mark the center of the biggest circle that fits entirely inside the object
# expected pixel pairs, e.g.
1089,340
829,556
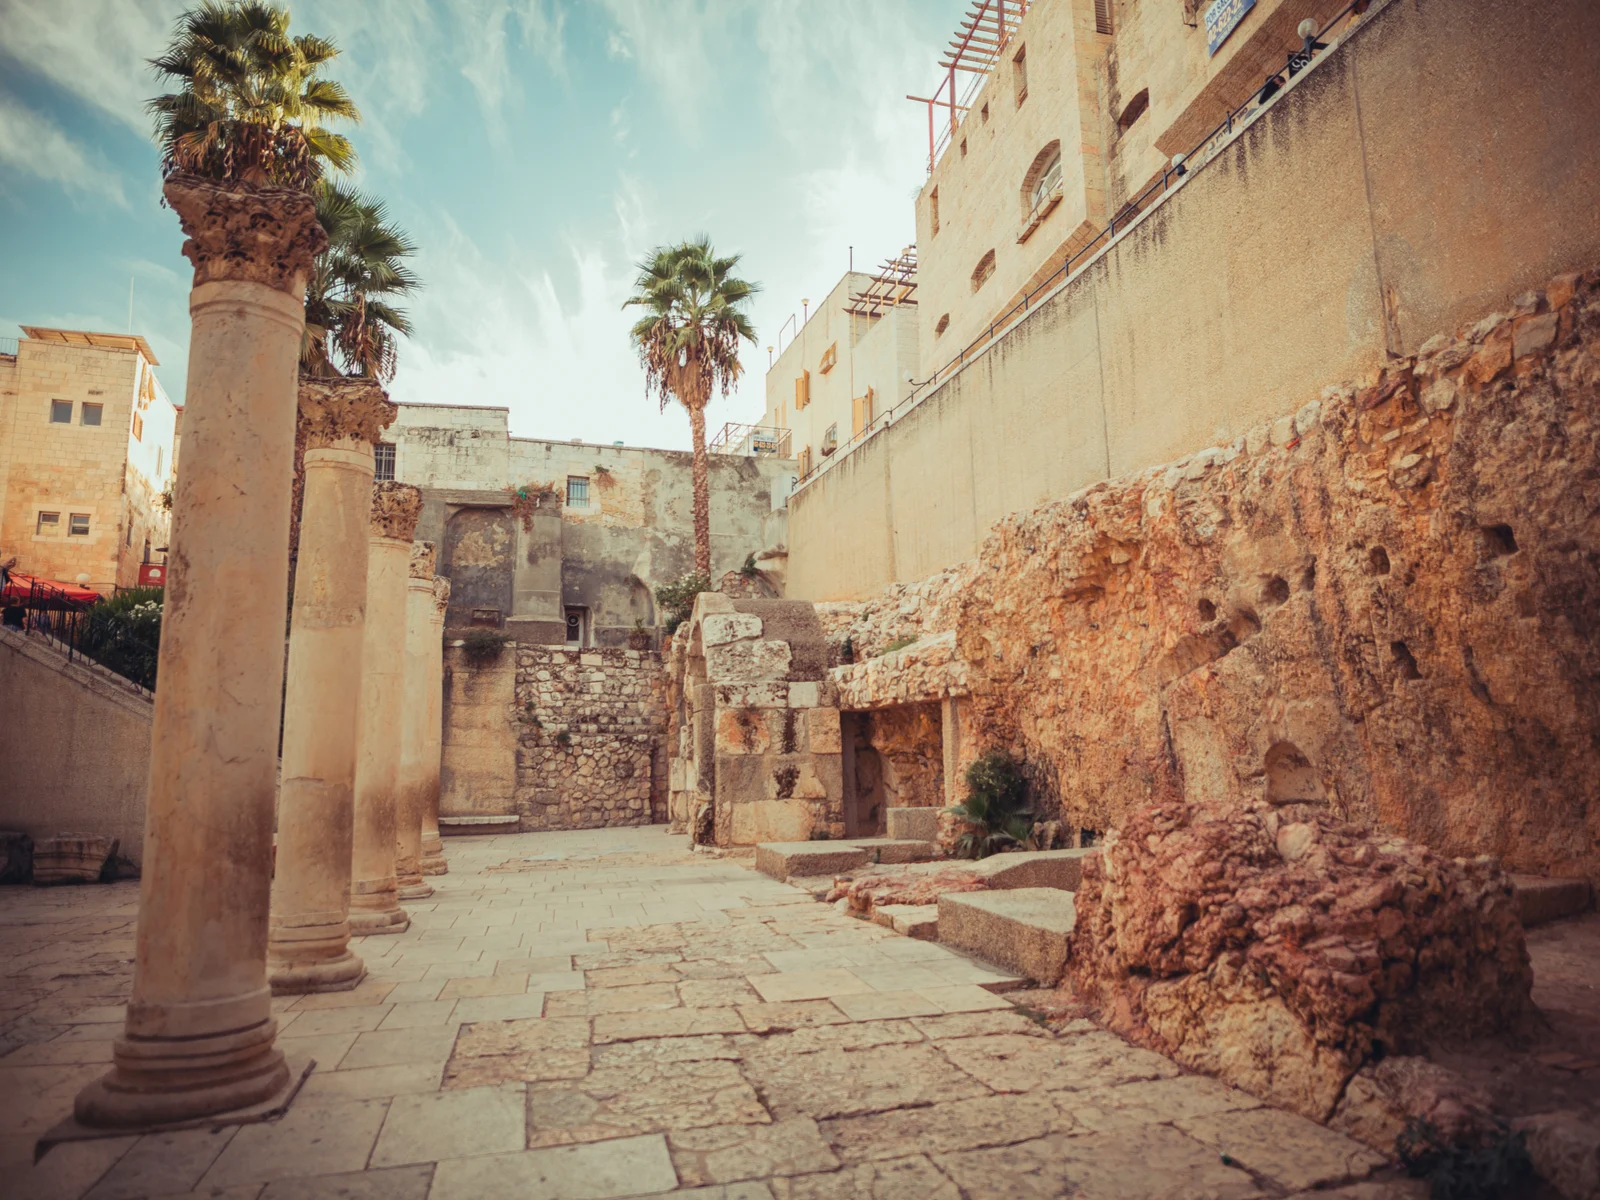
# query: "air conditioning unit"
830,439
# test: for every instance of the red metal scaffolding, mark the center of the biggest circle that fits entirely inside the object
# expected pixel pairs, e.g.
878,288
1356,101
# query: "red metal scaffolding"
984,33
894,284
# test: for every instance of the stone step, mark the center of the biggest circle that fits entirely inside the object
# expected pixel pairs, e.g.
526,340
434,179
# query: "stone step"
489,823
1062,869
783,859
898,850
909,920
919,824
1540,899
1027,930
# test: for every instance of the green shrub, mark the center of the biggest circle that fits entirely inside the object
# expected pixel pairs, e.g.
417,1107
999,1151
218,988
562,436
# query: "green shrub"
1496,1166
997,804
123,634
749,569
483,646
900,643
677,599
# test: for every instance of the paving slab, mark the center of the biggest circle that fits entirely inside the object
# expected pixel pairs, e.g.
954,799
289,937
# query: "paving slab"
1028,930
919,921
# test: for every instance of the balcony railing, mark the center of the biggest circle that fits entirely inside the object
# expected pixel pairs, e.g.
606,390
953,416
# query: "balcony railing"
755,441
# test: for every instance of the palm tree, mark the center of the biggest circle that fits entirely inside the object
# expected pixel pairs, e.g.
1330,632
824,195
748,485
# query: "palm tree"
349,297
252,104
689,345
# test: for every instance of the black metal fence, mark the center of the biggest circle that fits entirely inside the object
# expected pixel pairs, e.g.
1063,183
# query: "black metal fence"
83,629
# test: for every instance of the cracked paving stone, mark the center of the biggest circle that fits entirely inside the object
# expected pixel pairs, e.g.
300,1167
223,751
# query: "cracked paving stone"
977,1024
649,937
668,1049
531,1049
644,1097
628,976
912,1178
945,1128
1153,1162
665,1023
841,1083
799,1014
1152,1102
733,1153
731,966
859,1036
1010,1062
716,993
1288,1149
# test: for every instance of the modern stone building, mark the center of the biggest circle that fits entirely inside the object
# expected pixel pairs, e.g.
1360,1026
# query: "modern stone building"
88,441
564,543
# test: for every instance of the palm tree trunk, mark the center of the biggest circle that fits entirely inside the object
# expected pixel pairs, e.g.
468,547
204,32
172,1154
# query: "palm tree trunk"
702,491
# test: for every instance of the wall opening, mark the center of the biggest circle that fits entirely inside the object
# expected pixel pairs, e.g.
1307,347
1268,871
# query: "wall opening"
1291,779
1042,179
1378,560
1102,17
1134,109
1499,540
1405,663
982,272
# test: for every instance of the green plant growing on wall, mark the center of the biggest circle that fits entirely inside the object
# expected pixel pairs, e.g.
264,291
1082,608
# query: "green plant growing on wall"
563,739
677,599
900,643
996,806
483,646
749,569
528,499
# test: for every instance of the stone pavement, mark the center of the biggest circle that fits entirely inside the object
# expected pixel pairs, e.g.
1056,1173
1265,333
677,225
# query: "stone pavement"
597,1014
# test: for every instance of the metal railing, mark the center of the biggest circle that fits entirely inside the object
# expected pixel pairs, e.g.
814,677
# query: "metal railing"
763,441
1205,149
74,626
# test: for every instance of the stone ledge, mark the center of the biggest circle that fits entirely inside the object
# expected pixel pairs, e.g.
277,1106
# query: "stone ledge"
784,859
899,850
1060,869
1540,900
1027,930
920,824
489,823
920,921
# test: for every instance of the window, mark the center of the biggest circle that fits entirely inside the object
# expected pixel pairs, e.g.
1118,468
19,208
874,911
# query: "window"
577,491
933,209
91,413
1135,109
963,147
984,112
161,459
1046,176
61,412
48,523
1102,16
78,525
861,413
138,427
803,462
383,460
944,323
830,439
577,621
830,356
146,550
130,534
802,390
1019,74
984,269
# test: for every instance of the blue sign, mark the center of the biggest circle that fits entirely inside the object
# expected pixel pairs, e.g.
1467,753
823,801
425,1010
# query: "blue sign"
1221,17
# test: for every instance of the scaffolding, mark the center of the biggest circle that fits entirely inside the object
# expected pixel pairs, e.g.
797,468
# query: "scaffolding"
894,284
983,36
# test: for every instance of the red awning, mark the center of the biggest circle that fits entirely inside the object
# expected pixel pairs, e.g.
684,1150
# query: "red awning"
51,593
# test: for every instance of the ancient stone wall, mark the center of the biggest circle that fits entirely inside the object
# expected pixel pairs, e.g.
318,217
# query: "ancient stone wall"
1383,605
590,729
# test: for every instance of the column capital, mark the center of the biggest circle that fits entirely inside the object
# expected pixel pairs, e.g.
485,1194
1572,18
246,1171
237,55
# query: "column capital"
422,560
340,410
395,509
441,594
247,234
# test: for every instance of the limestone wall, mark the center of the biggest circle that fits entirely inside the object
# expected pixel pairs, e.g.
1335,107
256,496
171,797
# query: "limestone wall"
74,746
478,759
1382,605
590,738
1359,215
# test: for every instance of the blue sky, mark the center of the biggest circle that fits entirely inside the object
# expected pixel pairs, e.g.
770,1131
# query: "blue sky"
535,150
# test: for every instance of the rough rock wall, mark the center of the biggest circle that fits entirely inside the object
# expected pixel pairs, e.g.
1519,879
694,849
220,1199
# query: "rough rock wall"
909,746
591,728
1386,603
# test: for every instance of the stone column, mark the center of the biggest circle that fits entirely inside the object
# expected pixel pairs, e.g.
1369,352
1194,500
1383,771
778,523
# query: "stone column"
374,899
433,862
411,789
308,943
198,1037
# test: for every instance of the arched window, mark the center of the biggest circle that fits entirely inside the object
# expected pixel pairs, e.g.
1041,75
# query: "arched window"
1135,109
984,269
1042,179
944,323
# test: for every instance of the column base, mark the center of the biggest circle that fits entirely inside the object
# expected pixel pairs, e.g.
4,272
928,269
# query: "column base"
290,977
158,1080
365,924
435,865
415,891
432,843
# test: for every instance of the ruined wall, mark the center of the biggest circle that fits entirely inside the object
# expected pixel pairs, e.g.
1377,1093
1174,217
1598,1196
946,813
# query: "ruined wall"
1383,605
478,767
907,742
590,748
1360,214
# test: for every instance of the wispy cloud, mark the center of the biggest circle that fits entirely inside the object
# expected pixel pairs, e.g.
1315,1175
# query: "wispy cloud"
32,144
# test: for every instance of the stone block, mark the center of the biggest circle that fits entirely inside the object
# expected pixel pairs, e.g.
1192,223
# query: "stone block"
919,921
783,859
804,695
917,824
1062,869
73,858
822,728
1540,900
768,694
900,850
1027,930
721,628
769,821
747,662
742,731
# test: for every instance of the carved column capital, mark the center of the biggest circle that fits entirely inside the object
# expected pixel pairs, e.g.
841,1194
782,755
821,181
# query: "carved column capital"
395,509
244,233
422,560
332,411
441,594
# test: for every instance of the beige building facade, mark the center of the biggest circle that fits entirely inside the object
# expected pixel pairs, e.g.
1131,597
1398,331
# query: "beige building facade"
88,440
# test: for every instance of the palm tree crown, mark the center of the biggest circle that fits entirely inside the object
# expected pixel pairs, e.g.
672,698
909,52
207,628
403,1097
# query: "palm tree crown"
688,342
252,104
350,310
